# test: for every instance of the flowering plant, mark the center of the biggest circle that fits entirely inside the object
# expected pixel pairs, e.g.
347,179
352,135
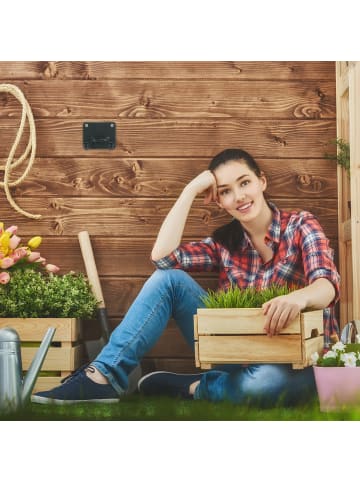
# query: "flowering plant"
339,355
29,287
13,255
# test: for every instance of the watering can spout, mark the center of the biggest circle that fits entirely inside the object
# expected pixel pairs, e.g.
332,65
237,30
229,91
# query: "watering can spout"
36,364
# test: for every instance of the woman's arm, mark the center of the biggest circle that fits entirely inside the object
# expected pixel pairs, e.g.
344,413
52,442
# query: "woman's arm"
172,229
281,310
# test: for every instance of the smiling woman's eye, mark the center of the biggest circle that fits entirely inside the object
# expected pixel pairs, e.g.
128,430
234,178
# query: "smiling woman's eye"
224,192
245,182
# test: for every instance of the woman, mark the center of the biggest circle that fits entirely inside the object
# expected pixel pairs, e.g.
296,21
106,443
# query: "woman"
260,246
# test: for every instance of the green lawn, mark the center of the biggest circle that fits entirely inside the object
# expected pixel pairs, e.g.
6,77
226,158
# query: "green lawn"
139,408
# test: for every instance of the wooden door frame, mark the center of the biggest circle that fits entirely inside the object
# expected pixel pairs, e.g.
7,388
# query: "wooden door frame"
348,123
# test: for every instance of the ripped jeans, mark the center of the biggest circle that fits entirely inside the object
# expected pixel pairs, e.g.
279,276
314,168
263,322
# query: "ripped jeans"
173,293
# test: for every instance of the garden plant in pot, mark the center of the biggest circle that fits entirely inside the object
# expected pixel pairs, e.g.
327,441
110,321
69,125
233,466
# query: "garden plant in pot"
34,296
337,376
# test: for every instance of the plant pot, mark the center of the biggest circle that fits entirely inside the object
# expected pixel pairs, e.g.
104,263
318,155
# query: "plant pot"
338,387
64,355
236,335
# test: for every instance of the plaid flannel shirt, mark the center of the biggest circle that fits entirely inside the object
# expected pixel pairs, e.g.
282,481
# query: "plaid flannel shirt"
301,255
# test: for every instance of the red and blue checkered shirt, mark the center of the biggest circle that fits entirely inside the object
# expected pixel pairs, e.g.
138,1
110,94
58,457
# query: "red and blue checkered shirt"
301,255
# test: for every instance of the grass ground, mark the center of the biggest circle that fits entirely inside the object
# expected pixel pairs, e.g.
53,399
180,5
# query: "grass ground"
139,408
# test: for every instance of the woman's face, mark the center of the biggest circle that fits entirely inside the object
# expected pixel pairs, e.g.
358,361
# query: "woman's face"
240,191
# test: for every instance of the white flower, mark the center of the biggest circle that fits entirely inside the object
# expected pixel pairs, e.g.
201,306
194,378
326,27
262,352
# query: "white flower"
330,354
338,346
349,359
314,357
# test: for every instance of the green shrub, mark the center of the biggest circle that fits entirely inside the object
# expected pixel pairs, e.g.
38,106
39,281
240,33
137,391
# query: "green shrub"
33,294
250,297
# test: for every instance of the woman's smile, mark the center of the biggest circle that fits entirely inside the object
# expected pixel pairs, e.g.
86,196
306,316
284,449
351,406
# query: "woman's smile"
245,208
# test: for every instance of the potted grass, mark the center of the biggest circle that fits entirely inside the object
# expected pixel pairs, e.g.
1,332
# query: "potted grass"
34,296
230,329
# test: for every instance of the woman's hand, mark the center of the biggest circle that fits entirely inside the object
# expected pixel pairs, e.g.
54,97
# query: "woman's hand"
205,182
280,311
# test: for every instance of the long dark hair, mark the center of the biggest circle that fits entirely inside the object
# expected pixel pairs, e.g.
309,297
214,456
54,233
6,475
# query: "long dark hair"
231,235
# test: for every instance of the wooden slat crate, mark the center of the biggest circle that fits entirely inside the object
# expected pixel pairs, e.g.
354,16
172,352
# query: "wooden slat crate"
235,335
65,352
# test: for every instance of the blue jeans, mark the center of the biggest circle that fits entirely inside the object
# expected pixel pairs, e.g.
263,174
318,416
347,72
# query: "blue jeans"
173,293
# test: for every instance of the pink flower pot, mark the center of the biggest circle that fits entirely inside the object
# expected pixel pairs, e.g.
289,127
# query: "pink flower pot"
338,387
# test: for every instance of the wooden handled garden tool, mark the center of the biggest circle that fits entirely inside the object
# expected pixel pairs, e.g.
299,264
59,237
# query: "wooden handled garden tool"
93,347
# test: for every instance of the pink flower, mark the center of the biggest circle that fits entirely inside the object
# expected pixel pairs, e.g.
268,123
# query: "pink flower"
40,260
12,230
52,268
4,278
5,263
14,241
19,253
33,256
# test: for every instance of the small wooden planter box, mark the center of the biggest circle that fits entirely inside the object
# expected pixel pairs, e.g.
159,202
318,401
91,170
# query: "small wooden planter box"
235,335
65,352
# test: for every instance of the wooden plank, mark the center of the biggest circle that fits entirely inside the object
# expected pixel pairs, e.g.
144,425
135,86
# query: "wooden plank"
187,137
281,70
114,256
197,359
345,231
250,349
171,344
237,321
174,99
311,346
156,177
178,365
342,123
46,383
354,124
119,293
312,320
34,329
57,358
129,217
196,330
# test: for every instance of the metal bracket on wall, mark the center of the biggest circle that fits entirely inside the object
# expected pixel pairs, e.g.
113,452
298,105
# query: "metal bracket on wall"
99,135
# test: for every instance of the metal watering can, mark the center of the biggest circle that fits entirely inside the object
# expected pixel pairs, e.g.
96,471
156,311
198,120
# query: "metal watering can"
14,389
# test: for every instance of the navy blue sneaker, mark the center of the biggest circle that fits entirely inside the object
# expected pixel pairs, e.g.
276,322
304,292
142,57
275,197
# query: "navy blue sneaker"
168,383
77,388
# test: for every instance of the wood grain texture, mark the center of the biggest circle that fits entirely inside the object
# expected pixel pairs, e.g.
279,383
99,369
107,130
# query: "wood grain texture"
180,137
119,293
114,256
250,349
174,99
173,364
171,118
130,217
156,177
283,70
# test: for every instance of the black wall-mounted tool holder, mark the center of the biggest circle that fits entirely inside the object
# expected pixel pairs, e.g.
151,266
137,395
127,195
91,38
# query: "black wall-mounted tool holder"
99,135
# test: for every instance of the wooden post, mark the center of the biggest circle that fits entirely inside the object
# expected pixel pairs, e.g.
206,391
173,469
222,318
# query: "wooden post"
354,120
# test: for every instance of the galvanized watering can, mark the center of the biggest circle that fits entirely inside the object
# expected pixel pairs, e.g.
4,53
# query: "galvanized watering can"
14,389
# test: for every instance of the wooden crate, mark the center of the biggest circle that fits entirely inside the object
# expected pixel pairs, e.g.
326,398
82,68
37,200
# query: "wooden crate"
64,355
235,335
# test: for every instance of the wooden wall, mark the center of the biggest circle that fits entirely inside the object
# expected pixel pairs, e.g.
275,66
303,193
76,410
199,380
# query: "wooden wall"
171,118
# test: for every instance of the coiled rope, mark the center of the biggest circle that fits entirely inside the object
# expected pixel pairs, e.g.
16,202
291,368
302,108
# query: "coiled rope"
11,164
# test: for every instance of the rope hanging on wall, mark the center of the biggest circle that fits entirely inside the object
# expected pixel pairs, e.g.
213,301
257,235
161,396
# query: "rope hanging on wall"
11,164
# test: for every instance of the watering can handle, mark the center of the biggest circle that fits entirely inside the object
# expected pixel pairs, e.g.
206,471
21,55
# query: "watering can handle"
348,330
36,364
